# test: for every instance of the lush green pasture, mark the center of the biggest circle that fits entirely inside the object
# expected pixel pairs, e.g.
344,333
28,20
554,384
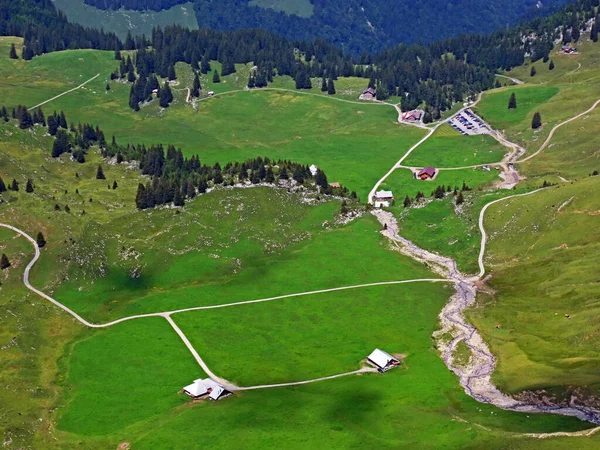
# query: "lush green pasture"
340,413
494,105
543,257
123,375
402,182
353,143
121,21
282,341
448,148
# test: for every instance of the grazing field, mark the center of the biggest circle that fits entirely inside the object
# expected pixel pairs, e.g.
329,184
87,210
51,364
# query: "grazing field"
543,253
121,21
353,143
448,148
402,182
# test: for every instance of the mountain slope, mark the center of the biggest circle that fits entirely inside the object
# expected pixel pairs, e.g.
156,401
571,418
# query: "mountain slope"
356,24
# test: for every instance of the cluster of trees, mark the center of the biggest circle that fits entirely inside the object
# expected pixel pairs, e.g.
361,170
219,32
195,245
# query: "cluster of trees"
439,193
357,25
175,178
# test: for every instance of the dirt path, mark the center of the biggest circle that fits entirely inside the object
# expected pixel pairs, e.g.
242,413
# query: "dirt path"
66,92
514,80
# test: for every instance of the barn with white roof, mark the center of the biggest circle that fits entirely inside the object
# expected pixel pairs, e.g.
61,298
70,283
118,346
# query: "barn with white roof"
202,387
382,360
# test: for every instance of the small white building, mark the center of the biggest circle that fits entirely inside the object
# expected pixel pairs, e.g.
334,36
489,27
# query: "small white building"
383,199
382,360
202,387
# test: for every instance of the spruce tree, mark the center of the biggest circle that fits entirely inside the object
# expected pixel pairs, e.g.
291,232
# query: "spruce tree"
14,185
178,200
536,122
533,71
100,173
165,95
62,120
196,86
13,52
61,143
283,174
2,185
205,64
459,198
67,209
551,66
131,75
172,75
107,87
4,262
25,119
594,32
407,201
29,186
330,87
115,185
323,84
117,54
512,102
216,78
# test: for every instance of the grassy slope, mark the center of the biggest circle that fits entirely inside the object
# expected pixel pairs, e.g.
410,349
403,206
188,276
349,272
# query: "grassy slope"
302,8
121,21
339,137
448,148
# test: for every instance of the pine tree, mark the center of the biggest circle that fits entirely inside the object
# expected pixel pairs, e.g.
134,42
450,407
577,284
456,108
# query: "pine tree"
536,122
575,34
115,185
512,102
117,54
178,200
205,65
29,186
407,201
330,87
323,84
4,262
62,120
129,44
196,86
67,209
594,32
459,198
14,185
28,53
2,185
100,173
533,71
139,197
107,87
131,75
283,174
13,52
61,143
172,75
165,95
551,66
216,78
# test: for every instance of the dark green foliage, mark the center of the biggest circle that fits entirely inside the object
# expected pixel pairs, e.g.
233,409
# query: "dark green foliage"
172,75
4,262
14,186
407,202
115,185
551,65
29,186
533,71
2,185
100,173
302,78
41,241
216,78
165,95
536,122
512,102
594,32
330,87
24,117
13,52
323,84
67,209
205,64
460,198
61,144
107,87
196,86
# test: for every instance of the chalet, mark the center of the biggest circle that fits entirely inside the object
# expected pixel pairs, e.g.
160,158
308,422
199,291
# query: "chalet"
382,360
205,387
383,199
427,173
412,116
369,94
